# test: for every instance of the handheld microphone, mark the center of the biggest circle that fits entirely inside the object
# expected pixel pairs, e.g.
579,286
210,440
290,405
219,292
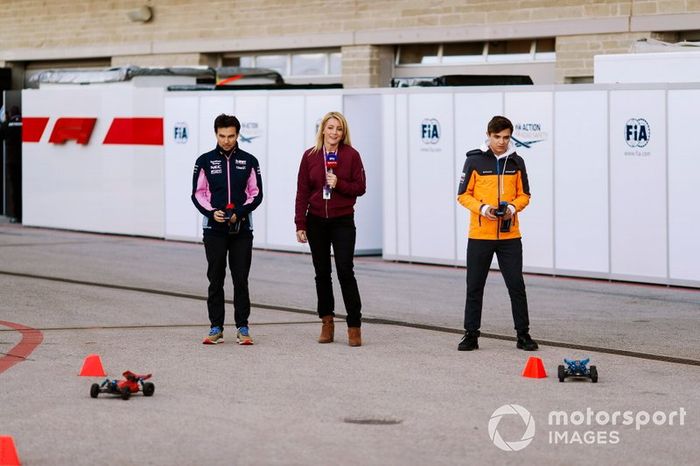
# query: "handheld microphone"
331,161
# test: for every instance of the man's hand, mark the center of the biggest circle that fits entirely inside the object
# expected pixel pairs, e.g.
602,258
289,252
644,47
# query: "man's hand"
509,213
491,213
219,216
301,236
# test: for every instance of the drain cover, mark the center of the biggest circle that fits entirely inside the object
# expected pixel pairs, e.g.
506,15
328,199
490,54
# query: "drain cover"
372,421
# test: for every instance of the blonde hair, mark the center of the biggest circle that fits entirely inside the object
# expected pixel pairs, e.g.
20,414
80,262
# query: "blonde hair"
343,122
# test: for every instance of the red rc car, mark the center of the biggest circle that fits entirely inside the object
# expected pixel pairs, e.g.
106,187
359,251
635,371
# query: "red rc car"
131,384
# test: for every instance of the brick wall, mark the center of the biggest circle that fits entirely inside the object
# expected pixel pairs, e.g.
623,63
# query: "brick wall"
183,32
575,53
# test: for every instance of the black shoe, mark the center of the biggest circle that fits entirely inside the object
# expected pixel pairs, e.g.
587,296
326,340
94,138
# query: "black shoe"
525,342
469,342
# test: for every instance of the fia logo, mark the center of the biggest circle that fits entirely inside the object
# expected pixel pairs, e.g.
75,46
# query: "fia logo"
637,132
430,131
181,132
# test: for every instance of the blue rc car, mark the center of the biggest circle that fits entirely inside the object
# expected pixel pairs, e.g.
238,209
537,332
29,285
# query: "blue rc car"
577,368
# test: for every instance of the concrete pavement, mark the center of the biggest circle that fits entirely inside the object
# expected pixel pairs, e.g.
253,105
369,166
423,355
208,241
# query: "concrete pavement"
406,397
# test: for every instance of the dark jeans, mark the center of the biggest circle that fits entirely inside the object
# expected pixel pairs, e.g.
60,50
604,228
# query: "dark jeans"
510,261
239,249
340,233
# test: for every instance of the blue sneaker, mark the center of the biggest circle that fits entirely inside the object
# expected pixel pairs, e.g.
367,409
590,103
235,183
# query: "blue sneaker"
243,336
216,335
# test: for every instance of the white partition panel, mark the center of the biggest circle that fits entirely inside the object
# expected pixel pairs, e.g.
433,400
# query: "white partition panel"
472,113
211,106
286,116
581,194
251,111
181,138
431,176
390,225
683,169
403,205
638,185
111,188
315,107
365,122
531,114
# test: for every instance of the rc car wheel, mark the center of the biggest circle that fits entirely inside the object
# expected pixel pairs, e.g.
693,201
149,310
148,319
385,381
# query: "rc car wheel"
94,390
594,374
126,393
561,373
148,389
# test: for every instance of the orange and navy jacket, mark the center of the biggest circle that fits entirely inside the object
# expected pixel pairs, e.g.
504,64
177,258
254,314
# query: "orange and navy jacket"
487,179
220,179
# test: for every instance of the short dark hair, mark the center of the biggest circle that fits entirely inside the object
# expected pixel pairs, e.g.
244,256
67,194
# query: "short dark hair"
227,121
498,124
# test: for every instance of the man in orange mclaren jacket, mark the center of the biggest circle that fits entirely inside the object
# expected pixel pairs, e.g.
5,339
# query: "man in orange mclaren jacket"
495,189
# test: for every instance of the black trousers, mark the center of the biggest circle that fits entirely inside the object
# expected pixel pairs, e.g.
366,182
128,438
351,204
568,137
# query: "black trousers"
510,261
339,232
239,250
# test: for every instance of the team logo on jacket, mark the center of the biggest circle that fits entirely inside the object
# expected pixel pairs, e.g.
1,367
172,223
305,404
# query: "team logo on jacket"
430,131
637,132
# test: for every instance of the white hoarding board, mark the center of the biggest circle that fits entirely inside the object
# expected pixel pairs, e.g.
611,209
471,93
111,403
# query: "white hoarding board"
390,225
286,119
401,171
97,164
431,177
182,149
211,106
252,113
365,122
531,114
683,169
581,182
638,185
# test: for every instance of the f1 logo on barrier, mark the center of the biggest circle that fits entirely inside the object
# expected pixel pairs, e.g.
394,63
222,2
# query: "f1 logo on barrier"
129,131
72,129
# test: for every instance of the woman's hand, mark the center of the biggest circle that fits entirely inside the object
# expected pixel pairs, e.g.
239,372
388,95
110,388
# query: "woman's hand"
301,236
331,179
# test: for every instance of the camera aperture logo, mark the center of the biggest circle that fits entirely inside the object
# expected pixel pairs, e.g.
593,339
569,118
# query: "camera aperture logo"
581,427
509,410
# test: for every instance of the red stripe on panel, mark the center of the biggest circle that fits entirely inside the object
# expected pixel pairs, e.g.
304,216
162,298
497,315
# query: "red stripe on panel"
33,128
146,131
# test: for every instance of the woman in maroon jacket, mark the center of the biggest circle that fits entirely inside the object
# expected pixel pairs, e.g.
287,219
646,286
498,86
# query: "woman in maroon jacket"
331,176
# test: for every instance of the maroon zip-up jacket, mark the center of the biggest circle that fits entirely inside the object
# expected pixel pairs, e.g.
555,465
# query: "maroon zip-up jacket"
312,178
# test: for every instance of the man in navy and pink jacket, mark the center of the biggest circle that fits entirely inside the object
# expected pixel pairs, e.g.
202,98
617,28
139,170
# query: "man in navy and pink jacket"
226,189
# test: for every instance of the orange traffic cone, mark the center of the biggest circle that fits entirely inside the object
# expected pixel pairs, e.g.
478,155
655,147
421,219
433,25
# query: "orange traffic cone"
8,453
534,368
92,367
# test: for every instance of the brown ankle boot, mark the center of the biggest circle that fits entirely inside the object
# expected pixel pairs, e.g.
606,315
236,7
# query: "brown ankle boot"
354,336
327,329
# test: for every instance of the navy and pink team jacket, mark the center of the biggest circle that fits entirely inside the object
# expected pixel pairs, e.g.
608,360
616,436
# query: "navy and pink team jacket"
219,181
